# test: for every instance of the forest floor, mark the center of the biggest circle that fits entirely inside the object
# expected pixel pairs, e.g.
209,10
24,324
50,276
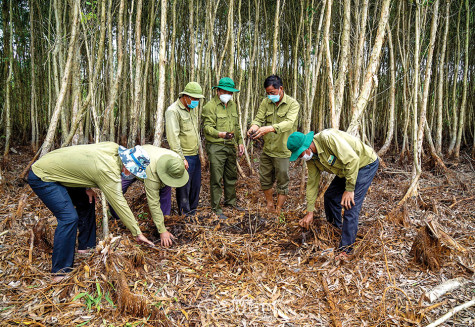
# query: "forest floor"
254,269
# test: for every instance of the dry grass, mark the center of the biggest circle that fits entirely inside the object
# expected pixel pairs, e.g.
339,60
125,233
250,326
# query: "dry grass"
252,270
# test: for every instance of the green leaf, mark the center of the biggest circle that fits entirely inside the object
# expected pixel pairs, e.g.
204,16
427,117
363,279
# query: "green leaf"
80,295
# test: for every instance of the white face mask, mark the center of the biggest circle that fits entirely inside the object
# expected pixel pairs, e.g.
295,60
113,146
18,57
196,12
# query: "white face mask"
307,157
225,97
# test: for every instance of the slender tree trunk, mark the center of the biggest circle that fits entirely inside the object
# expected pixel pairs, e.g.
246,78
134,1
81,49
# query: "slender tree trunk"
343,64
392,97
64,83
440,88
363,19
8,86
328,61
275,29
145,79
157,140
465,84
109,110
296,51
33,108
371,70
453,132
172,56
138,76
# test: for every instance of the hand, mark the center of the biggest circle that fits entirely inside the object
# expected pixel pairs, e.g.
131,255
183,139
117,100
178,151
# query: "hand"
307,220
263,131
92,195
142,239
348,199
229,135
222,135
166,238
252,130
186,164
241,149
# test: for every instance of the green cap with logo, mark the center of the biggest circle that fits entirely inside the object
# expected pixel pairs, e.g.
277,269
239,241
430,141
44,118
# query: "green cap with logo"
298,143
171,170
194,90
226,84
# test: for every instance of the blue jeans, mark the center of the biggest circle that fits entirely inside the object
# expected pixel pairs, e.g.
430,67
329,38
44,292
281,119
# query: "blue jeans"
165,197
71,207
332,202
188,196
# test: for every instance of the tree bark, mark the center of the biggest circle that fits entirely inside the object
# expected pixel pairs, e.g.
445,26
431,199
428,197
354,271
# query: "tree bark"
159,120
370,70
64,84
8,85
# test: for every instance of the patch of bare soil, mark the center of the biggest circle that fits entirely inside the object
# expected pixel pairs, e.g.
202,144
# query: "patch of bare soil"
254,269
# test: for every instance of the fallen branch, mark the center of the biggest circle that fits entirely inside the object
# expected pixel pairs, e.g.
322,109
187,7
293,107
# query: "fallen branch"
447,286
453,311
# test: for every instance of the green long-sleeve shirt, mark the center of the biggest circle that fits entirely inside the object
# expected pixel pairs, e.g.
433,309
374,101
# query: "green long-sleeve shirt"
153,184
182,130
338,153
284,120
218,118
92,165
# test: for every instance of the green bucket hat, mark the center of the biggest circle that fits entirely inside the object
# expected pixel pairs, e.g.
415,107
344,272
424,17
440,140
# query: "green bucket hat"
298,143
171,170
226,84
194,90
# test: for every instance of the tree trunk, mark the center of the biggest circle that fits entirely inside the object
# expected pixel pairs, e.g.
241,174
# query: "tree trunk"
465,84
392,97
157,140
64,83
138,76
371,71
8,86
275,29
440,88
328,61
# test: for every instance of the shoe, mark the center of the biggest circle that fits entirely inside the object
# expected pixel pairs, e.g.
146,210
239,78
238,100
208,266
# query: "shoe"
222,216
236,207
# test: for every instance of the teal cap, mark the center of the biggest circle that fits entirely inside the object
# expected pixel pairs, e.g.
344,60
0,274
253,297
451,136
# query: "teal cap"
298,143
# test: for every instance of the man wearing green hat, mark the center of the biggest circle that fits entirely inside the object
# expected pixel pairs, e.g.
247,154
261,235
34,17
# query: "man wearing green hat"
275,120
166,170
354,164
223,135
181,126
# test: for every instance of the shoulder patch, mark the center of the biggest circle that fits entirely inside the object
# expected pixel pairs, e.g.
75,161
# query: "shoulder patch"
331,160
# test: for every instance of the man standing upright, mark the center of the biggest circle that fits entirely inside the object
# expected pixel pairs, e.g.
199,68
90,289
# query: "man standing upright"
181,125
223,135
275,120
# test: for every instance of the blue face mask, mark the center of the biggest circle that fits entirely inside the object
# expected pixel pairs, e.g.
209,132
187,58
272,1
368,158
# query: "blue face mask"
193,104
274,97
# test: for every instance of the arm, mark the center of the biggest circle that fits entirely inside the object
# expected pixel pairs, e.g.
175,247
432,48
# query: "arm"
312,185
172,127
152,189
290,118
260,118
208,117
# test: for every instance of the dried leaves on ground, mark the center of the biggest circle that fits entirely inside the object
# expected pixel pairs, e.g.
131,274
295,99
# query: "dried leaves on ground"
253,269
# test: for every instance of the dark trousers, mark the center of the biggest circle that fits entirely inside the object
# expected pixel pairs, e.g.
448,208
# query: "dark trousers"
332,201
223,171
71,207
165,197
188,196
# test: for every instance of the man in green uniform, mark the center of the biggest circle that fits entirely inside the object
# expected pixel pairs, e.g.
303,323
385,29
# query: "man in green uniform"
275,120
62,180
166,170
223,135
354,164
182,130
